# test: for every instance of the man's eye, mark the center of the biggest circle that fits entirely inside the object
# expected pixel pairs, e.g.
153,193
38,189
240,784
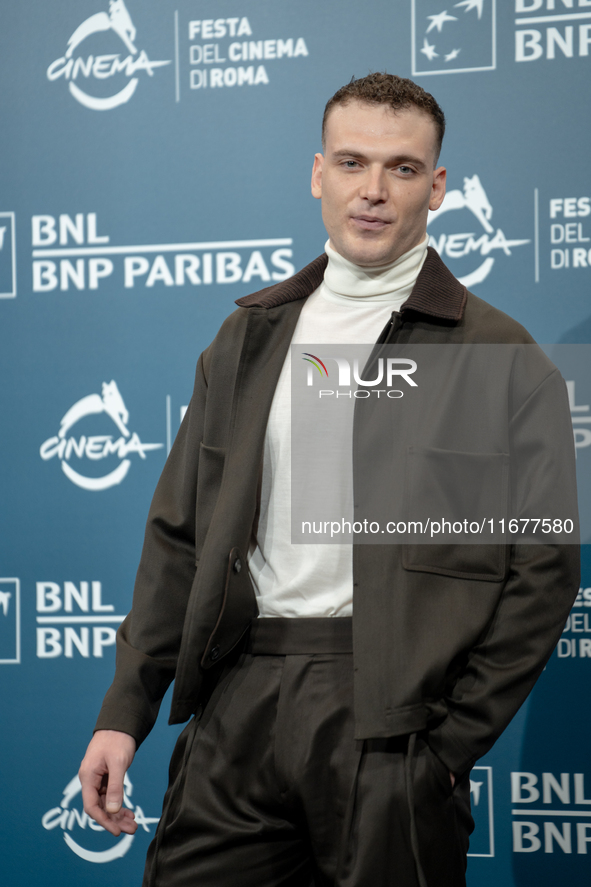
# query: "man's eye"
405,169
350,164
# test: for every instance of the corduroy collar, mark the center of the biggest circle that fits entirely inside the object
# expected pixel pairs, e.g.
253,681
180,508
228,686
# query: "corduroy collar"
437,292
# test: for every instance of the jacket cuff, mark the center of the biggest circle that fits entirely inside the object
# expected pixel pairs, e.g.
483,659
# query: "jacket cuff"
451,750
128,721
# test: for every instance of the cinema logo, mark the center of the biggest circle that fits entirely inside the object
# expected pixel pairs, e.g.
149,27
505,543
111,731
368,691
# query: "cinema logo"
553,813
83,835
92,449
99,68
386,372
476,253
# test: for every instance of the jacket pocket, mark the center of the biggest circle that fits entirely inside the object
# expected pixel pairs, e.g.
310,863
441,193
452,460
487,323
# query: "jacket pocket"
466,491
209,478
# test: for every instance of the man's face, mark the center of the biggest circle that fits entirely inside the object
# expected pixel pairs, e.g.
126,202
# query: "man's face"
377,180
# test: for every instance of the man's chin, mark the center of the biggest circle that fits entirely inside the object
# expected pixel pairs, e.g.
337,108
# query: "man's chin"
372,252
366,255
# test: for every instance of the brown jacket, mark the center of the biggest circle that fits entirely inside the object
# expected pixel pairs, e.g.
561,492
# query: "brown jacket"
440,643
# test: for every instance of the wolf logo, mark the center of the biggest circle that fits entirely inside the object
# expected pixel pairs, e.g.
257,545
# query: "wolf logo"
110,403
5,601
473,198
117,19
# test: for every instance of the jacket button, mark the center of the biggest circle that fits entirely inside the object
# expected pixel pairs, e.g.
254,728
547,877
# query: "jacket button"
214,653
237,565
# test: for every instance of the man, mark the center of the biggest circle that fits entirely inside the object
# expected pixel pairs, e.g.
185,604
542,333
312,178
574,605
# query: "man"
327,750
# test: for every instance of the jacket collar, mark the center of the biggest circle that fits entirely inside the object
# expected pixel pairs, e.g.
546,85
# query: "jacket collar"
437,292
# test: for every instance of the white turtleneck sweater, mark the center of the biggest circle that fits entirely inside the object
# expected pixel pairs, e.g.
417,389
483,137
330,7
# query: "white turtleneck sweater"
351,306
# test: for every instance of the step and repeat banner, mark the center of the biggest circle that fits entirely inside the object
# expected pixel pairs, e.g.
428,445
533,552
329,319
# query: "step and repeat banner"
155,166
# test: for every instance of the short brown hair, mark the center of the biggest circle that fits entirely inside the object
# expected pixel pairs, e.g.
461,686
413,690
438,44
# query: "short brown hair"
388,89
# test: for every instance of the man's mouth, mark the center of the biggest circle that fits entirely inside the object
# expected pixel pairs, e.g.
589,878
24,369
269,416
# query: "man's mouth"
370,223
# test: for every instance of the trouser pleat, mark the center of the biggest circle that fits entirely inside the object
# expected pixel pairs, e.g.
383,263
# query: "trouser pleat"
269,788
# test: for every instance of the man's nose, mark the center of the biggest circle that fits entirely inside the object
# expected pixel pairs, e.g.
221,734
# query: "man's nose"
374,187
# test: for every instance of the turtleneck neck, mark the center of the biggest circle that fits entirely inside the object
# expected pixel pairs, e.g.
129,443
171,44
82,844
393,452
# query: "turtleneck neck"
346,282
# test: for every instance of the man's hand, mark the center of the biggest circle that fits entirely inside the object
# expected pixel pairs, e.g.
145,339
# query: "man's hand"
453,779
105,764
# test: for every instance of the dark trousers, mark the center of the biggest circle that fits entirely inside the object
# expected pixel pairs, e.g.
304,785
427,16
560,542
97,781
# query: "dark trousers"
269,788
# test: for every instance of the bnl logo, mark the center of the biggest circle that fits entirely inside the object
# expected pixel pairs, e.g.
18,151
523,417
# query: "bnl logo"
455,40
7,256
482,840
10,627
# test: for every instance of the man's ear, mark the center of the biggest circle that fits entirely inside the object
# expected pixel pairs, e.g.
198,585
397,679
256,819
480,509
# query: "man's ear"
438,188
317,176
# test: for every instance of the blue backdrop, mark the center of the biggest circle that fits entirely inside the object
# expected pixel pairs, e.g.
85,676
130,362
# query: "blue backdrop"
155,167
